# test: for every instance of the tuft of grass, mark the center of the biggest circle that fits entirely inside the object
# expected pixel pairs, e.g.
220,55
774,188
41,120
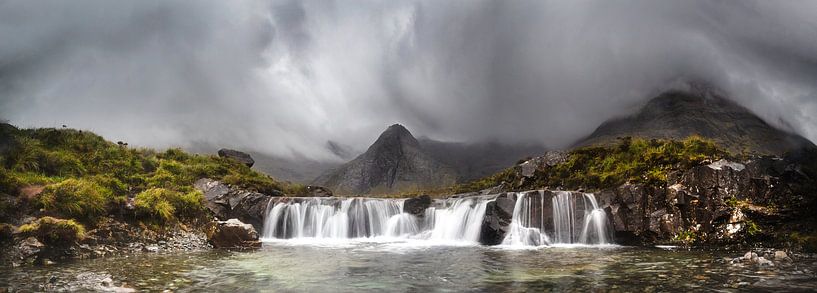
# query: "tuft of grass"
687,236
75,198
752,229
54,231
166,205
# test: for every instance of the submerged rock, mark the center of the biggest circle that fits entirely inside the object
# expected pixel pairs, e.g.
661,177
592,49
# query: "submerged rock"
239,156
234,234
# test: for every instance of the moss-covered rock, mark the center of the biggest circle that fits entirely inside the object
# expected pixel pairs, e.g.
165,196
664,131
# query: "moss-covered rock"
53,231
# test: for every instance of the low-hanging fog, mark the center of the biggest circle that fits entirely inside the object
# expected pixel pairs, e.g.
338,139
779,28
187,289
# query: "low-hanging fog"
283,77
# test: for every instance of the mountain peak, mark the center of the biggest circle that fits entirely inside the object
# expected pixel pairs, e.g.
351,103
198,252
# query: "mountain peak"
700,111
393,137
394,162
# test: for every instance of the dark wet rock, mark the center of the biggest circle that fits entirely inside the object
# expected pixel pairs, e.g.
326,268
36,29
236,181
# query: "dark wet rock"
417,205
249,207
498,214
234,234
239,156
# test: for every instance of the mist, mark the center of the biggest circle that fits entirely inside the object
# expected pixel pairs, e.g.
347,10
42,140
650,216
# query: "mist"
284,77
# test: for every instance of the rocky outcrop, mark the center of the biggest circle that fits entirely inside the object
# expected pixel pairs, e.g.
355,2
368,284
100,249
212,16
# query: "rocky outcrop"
233,234
417,205
720,203
395,162
239,156
227,203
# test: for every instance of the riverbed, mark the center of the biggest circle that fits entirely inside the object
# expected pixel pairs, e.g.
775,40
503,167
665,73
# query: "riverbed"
367,265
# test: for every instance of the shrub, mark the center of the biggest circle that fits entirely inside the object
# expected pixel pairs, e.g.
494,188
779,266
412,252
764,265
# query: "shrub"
76,198
53,231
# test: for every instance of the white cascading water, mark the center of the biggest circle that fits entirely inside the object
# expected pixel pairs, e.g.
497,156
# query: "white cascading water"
575,219
457,220
586,224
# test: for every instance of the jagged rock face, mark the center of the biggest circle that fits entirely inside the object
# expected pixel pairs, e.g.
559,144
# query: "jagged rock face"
226,203
706,113
715,203
394,162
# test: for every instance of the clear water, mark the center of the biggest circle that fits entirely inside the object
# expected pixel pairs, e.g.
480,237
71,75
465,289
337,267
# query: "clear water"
422,266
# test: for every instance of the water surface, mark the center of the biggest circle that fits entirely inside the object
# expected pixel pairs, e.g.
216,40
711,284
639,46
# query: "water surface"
406,266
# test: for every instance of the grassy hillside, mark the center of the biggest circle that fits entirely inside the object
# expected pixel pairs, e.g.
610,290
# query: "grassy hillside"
78,175
634,160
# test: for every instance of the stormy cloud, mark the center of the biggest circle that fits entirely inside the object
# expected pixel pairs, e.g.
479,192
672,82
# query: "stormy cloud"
284,77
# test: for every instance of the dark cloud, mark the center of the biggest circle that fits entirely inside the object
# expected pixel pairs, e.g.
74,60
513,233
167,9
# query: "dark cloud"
283,77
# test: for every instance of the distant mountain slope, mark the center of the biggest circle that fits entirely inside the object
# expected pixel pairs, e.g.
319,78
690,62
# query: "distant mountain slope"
395,162
476,160
679,114
298,169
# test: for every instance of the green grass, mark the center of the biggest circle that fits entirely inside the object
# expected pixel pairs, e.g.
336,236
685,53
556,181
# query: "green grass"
86,176
167,205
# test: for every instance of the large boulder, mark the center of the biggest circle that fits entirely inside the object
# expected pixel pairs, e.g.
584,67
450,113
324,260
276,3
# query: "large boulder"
227,203
498,215
239,156
233,234
417,205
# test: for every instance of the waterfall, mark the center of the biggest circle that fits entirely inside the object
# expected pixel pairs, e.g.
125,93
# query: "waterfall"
538,218
452,220
522,232
576,219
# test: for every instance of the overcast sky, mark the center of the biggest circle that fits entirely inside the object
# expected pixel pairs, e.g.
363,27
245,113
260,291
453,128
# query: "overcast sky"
286,76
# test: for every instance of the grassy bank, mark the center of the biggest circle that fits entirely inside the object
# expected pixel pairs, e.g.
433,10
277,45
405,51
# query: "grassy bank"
77,175
634,160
